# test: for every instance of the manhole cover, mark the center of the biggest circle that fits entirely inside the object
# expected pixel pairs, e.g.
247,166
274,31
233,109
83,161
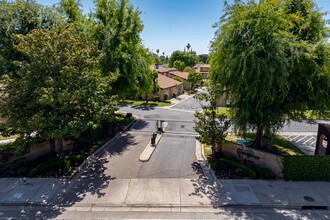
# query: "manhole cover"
242,188
182,126
309,199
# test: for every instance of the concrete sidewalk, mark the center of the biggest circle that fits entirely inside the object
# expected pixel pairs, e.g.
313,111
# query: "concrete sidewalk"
168,193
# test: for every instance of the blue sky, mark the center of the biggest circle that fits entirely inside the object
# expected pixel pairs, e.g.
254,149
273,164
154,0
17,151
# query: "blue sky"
170,24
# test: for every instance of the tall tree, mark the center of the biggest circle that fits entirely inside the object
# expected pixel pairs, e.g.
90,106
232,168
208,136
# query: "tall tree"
188,46
20,17
189,59
179,65
118,35
210,125
194,77
254,54
59,91
72,9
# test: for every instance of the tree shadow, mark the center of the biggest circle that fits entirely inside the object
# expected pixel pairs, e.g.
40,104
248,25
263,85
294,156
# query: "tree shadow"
143,107
91,181
206,187
139,125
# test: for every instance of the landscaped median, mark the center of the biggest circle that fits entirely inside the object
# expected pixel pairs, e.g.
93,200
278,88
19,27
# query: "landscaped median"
238,161
150,148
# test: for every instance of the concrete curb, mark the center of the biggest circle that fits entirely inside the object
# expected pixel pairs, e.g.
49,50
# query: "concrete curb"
150,148
199,153
93,156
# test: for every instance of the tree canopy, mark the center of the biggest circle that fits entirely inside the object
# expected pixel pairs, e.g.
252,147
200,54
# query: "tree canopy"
118,28
189,58
58,92
179,65
258,55
21,17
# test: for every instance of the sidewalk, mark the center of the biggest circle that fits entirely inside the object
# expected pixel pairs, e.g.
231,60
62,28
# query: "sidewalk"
169,193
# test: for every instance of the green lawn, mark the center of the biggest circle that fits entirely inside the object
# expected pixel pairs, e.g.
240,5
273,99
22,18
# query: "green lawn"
207,151
223,110
308,114
6,138
145,103
276,144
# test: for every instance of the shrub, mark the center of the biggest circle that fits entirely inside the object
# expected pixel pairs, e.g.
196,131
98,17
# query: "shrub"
202,83
166,96
22,171
168,101
240,172
232,158
306,168
252,166
174,95
265,173
156,98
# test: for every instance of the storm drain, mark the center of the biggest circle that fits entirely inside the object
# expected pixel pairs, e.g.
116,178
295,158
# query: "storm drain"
311,199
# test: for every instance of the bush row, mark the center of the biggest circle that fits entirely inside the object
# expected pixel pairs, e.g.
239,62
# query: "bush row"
242,169
306,168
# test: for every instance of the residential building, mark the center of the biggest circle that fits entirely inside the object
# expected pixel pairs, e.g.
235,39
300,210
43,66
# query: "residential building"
203,69
167,85
184,76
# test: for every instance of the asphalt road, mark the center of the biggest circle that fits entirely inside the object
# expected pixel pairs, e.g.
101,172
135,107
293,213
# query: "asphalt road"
174,157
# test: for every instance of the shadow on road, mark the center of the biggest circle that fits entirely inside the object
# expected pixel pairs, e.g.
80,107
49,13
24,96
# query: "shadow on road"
138,107
91,181
205,187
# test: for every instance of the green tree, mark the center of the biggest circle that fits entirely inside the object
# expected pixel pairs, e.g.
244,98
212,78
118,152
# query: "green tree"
20,17
254,54
194,77
189,58
203,58
210,125
118,36
188,46
179,65
72,9
59,91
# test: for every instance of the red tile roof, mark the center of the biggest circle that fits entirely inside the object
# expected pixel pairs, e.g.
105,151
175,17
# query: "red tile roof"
183,75
166,82
166,70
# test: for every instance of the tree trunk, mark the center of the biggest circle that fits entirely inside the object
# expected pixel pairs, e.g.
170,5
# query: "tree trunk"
214,149
60,146
52,145
257,143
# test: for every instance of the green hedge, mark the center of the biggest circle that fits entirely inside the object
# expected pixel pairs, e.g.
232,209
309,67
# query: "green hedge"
306,168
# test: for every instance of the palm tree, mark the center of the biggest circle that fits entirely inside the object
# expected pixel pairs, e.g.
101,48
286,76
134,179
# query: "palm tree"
188,46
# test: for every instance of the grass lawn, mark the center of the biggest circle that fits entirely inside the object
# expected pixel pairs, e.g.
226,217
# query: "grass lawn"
6,138
223,110
206,150
276,144
309,115
145,103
